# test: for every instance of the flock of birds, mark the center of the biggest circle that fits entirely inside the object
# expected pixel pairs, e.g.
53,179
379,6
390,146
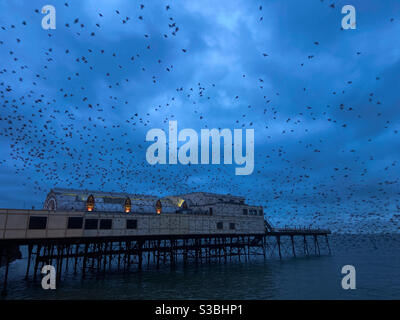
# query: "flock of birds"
60,128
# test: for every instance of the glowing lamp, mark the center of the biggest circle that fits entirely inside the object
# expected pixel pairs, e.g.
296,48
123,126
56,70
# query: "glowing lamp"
90,203
158,207
128,205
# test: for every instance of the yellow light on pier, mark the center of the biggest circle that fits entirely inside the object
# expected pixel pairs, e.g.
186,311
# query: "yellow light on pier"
158,207
90,203
128,205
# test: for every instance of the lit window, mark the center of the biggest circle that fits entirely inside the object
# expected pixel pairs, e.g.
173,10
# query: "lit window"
158,207
128,205
90,203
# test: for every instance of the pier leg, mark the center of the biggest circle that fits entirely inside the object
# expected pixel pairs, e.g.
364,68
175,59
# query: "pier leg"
172,258
129,255
67,258
119,255
4,291
245,248
84,261
92,250
230,250
125,253
248,248
149,246
185,252
110,256
201,251
43,262
51,254
158,254
305,246
263,247
327,243
219,250
104,256
60,259
293,249
316,245
29,261
76,257
278,239
140,255
225,251
39,248
196,252
99,257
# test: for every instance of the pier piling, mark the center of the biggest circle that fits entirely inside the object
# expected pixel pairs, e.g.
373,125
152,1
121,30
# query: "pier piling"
96,254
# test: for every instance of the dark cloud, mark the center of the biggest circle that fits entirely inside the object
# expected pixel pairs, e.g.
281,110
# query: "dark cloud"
323,102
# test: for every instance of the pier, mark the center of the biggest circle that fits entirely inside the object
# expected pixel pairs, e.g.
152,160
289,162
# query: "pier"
100,253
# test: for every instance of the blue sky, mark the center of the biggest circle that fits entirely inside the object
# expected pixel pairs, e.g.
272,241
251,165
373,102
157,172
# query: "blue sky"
75,107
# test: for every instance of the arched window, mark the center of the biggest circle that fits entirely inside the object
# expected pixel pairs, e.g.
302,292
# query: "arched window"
128,205
158,207
90,203
51,205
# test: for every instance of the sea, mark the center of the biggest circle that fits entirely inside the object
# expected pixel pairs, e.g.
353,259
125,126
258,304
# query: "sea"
375,258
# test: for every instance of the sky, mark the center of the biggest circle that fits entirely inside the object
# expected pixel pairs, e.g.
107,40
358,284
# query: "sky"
77,102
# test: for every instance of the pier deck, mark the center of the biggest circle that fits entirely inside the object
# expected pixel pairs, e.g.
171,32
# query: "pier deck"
101,251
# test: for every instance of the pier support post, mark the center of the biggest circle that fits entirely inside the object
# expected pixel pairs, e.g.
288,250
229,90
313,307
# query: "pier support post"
327,243
172,253
110,256
76,257
305,246
28,262
104,256
60,261
278,239
4,291
39,248
140,254
185,252
230,250
293,248
119,255
128,251
316,245
84,261
68,248
263,247
247,249
51,254
196,251
158,254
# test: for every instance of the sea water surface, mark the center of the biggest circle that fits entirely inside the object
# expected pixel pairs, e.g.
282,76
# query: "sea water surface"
376,259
